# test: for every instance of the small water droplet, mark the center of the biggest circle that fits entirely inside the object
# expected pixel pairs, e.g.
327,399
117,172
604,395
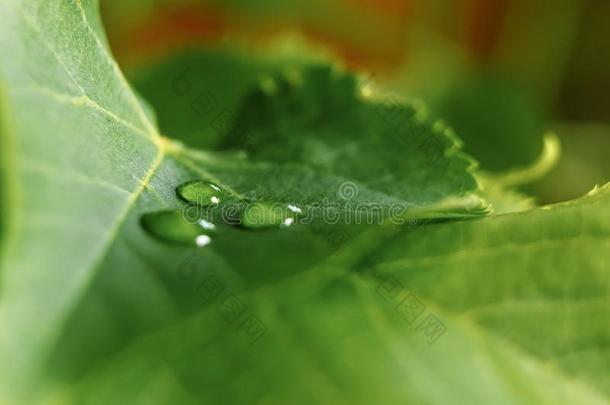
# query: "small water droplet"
203,240
207,225
200,193
265,215
294,209
172,227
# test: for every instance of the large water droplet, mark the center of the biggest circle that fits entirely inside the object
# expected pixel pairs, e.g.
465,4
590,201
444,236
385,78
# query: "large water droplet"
264,215
172,227
200,193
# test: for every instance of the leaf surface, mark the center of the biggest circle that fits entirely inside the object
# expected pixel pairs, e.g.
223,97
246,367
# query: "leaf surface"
88,162
94,310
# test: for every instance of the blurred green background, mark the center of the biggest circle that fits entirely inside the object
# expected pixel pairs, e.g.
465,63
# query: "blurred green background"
501,72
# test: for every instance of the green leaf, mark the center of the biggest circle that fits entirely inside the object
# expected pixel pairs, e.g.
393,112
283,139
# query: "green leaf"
5,167
197,94
93,310
312,117
318,118
90,162
522,318
85,152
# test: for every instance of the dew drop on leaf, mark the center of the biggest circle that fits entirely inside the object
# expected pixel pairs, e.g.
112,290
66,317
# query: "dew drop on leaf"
203,240
261,215
172,227
200,193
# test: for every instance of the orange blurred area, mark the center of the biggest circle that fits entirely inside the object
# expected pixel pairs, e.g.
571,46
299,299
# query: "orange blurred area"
481,26
373,36
549,47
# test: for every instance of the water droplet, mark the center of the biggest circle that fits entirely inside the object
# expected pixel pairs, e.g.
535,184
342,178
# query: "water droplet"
172,227
200,193
203,240
265,215
294,209
206,225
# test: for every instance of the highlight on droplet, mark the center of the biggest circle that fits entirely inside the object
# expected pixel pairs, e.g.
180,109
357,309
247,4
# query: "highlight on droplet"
262,215
171,227
200,193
